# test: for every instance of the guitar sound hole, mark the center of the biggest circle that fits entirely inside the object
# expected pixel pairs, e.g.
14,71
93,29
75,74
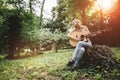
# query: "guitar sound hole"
76,36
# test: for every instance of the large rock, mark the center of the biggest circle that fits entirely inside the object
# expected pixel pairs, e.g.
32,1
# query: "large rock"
98,56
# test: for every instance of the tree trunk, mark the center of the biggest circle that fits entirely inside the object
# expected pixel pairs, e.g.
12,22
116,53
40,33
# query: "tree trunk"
83,14
30,5
54,46
14,23
41,13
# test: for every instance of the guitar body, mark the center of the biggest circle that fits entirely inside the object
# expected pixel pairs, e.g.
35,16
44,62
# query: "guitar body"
76,34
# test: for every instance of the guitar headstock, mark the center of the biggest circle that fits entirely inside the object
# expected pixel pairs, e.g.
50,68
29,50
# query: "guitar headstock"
103,30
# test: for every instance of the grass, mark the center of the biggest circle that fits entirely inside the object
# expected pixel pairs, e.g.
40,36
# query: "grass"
52,66
117,51
35,67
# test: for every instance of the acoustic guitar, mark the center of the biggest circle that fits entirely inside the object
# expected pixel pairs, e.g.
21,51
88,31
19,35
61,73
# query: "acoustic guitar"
82,35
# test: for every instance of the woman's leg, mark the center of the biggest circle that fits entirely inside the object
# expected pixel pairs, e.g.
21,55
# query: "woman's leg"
79,51
79,56
79,45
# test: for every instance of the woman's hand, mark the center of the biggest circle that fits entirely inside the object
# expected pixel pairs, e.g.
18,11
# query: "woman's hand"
77,39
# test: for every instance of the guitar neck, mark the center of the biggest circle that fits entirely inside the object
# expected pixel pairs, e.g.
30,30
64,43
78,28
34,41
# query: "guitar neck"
97,32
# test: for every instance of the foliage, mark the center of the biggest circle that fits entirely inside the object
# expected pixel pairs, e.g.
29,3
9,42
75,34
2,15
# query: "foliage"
45,36
15,24
62,15
10,24
41,38
52,66
29,24
3,32
53,25
116,50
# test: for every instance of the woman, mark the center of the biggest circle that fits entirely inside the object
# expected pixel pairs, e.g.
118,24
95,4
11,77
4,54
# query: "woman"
80,47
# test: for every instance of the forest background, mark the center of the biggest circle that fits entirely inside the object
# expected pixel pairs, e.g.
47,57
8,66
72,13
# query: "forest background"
21,29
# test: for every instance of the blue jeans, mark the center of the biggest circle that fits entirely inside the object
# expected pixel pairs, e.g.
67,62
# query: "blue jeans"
79,51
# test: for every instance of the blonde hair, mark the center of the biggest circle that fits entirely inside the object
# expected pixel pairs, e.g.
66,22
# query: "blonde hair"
76,21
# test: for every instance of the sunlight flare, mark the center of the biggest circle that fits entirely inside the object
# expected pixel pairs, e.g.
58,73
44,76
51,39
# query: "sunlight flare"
105,4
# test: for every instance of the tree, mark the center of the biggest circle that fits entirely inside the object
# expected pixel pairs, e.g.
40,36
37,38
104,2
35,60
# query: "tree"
60,15
14,23
115,25
3,30
41,12
30,5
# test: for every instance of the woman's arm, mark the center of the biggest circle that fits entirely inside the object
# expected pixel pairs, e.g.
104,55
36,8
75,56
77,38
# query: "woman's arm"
70,37
86,29
90,33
